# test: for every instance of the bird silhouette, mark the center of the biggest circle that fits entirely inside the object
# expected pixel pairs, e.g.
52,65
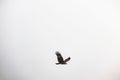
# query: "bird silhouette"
60,58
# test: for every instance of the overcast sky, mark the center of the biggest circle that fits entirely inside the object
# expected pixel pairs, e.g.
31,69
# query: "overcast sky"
86,30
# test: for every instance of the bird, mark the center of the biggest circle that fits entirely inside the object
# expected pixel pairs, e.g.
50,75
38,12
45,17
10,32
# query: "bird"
60,58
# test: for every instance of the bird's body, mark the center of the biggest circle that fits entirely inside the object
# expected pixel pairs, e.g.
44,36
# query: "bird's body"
60,59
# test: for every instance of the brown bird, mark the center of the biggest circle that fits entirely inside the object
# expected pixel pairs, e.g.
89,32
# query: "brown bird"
60,59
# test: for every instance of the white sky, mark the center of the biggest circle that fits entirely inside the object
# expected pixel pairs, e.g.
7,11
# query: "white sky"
86,30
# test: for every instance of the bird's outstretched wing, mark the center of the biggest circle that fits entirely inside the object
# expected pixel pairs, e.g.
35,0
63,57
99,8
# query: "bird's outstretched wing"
59,57
66,60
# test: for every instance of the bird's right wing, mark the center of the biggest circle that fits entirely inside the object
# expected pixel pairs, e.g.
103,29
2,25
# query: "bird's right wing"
66,60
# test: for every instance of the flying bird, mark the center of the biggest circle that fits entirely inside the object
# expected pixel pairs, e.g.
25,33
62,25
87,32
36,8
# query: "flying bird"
60,59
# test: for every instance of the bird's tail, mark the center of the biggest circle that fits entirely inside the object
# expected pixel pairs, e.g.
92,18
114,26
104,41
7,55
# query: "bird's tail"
66,60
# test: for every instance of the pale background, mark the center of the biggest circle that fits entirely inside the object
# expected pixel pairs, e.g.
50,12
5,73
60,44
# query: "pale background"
86,30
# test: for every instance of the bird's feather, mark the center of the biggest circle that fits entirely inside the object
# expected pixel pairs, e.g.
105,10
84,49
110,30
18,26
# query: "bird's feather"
66,60
59,57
